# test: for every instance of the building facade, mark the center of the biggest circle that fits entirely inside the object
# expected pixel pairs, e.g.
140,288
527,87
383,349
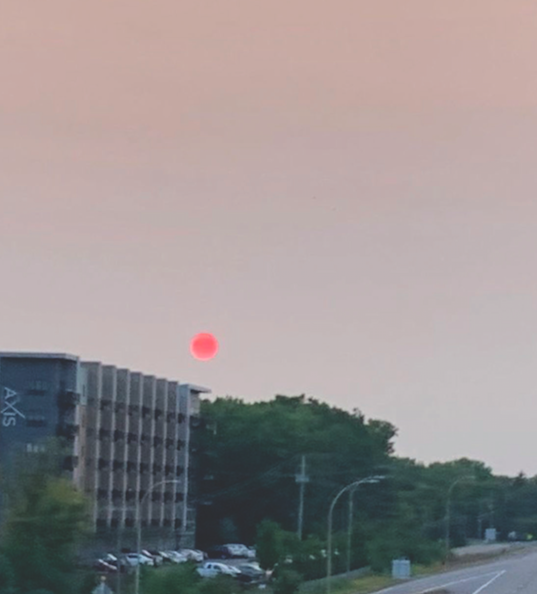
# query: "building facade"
129,438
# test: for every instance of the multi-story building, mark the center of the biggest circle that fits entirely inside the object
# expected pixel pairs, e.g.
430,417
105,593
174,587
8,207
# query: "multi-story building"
128,436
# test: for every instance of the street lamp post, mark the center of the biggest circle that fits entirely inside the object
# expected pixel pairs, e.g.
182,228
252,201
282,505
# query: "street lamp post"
139,526
448,512
118,545
352,486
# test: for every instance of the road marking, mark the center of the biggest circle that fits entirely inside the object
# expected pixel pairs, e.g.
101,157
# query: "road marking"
494,574
489,582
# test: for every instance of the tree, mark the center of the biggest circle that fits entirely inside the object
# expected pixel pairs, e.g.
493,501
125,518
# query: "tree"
269,544
182,579
7,576
45,519
251,453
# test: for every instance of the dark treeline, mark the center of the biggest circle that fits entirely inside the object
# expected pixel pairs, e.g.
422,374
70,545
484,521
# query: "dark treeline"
251,453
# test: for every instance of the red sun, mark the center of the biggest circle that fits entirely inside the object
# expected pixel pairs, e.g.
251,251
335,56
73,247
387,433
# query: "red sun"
203,346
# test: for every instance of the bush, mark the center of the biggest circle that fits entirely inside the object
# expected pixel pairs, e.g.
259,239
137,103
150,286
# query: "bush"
269,544
287,582
7,576
178,579
221,584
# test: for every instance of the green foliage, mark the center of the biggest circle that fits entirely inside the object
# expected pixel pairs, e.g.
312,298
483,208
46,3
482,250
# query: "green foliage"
221,584
45,518
252,453
183,579
179,579
287,582
7,576
269,544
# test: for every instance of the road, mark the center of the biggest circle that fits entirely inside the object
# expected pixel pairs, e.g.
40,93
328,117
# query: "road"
516,574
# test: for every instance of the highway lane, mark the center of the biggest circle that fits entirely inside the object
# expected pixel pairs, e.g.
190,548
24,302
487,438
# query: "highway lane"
516,574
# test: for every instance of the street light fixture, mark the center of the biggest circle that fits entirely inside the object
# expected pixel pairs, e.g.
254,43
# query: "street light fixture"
139,507
350,487
372,480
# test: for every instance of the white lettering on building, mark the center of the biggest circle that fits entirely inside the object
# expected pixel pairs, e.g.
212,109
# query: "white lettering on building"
9,411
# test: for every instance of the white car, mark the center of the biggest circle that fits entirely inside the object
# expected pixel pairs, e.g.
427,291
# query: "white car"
239,550
176,556
192,555
134,559
211,569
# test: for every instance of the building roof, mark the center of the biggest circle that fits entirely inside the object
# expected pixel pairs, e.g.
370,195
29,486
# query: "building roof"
30,355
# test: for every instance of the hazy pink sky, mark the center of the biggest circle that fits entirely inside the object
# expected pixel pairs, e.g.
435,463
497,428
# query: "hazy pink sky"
344,192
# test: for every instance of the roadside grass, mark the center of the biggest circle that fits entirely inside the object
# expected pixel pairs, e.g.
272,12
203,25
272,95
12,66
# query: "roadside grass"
368,584
362,585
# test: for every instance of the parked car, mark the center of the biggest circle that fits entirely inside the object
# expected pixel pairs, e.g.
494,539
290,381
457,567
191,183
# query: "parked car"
193,555
251,574
134,559
166,558
103,566
155,555
220,552
176,556
211,569
239,551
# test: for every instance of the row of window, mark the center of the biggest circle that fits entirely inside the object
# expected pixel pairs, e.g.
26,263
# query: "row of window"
106,405
142,468
143,439
130,495
130,523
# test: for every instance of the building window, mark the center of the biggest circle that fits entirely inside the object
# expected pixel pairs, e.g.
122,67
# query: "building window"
118,465
34,448
35,419
104,434
37,388
105,404
103,463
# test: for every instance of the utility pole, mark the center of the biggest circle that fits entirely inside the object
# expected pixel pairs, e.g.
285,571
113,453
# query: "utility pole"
301,479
